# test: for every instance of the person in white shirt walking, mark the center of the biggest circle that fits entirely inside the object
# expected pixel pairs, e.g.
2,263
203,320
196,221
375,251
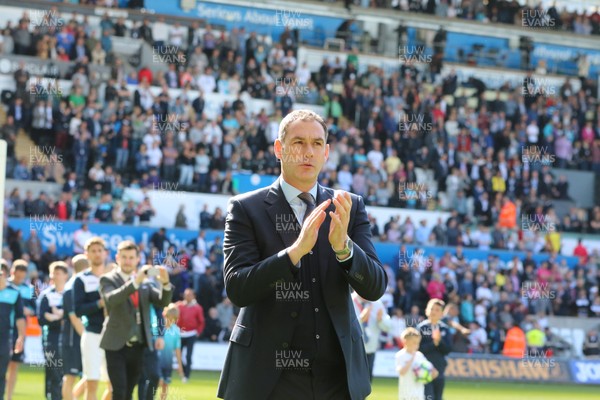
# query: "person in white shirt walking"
374,320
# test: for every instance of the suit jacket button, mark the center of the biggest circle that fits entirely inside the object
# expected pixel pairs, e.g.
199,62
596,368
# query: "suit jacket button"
294,314
285,345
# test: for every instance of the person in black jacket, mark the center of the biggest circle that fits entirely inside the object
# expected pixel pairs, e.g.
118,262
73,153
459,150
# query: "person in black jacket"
50,312
435,345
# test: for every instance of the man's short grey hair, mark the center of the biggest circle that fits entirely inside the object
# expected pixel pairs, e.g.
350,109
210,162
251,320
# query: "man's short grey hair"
300,115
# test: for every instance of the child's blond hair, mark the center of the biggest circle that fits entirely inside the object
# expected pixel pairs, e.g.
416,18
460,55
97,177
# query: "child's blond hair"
171,312
410,332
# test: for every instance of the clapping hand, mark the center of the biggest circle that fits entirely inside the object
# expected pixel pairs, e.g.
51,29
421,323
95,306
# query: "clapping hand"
340,218
436,335
309,233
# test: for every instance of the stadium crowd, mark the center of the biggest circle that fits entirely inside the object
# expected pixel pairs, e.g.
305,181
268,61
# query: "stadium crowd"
498,11
392,140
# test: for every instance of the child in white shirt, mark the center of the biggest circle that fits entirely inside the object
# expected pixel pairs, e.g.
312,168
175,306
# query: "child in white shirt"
406,360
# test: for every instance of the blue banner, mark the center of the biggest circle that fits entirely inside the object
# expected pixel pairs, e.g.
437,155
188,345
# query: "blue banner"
244,183
492,51
60,233
312,29
564,58
586,371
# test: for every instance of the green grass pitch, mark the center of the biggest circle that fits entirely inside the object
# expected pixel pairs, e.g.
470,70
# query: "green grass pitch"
202,385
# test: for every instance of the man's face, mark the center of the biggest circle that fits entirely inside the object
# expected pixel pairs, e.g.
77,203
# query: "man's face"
436,312
59,276
96,255
128,260
19,276
189,295
302,153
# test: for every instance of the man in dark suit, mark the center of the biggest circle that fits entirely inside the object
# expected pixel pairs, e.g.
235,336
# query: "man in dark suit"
20,113
293,252
126,329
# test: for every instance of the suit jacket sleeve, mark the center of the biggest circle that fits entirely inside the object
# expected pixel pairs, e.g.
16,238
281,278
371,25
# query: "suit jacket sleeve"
160,297
364,270
113,294
248,278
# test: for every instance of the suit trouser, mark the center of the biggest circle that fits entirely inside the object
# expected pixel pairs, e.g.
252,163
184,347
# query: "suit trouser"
4,359
124,368
148,384
188,344
54,369
371,361
303,385
435,389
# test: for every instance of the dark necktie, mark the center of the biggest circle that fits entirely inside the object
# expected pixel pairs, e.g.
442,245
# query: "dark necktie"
309,201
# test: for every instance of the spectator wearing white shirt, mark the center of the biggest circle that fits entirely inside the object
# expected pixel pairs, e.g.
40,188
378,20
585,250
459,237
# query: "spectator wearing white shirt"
397,326
480,312
199,265
200,262
289,62
150,138
477,338
422,233
375,156
96,174
213,131
154,156
276,56
303,75
160,32
484,239
201,167
533,132
206,81
345,178
146,96
80,237
176,35
374,320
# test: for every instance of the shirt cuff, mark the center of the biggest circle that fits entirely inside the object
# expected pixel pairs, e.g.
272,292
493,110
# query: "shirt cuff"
168,287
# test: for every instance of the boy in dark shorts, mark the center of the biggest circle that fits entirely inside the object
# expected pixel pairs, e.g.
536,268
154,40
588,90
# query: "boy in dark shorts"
18,279
11,315
51,314
71,335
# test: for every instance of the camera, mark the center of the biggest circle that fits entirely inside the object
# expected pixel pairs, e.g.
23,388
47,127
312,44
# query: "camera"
153,271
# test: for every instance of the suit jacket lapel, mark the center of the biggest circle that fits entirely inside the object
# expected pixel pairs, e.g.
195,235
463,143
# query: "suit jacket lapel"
281,214
324,252
120,282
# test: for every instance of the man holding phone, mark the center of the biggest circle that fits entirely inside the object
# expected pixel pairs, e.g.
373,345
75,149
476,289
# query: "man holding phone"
127,296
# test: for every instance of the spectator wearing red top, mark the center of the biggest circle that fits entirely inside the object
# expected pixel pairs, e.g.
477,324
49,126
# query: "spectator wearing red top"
64,209
145,73
436,287
191,322
581,252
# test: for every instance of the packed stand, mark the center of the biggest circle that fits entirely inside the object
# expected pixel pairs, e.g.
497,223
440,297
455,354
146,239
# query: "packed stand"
391,141
499,11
